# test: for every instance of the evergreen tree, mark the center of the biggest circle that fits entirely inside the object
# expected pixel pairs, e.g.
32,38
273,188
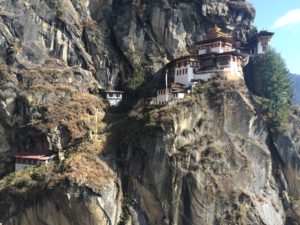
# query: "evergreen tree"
272,83
136,79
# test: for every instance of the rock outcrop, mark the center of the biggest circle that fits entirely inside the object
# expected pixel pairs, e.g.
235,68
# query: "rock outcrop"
206,160
203,161
66,206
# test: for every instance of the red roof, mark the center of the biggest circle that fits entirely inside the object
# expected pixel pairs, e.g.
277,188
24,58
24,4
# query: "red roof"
114,91
37,157
178,91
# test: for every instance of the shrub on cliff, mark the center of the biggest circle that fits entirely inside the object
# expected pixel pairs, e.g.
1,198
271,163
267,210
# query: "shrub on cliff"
272,83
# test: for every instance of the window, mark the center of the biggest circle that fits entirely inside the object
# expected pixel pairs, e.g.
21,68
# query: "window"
185,70
110,95
118,95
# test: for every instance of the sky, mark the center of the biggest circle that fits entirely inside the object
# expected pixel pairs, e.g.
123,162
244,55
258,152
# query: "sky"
283,18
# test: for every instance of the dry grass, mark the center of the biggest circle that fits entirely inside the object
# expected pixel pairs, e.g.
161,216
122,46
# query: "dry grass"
70,107
25,183
91,25
85,167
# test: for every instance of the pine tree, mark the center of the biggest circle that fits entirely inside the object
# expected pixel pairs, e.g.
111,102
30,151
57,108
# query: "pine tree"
272,83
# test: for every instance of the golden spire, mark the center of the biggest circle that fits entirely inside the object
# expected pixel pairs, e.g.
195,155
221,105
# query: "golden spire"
216,32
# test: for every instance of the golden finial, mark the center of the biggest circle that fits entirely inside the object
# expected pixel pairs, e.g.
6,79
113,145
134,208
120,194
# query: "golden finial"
216,32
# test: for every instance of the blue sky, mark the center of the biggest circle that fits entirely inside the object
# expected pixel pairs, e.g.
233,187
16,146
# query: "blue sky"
283,18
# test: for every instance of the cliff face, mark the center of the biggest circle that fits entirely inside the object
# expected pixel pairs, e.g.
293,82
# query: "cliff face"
54,54
203,161
66,206
206,160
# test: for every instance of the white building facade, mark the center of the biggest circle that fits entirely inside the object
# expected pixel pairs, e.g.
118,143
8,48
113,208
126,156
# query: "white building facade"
174,92
217,55
263,41
217,46
206,67
184,72
24,161
114,97
171,96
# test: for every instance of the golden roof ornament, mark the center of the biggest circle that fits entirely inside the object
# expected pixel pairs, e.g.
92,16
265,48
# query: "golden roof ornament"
216,32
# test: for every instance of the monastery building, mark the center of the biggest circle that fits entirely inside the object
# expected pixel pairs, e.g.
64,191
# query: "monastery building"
217,55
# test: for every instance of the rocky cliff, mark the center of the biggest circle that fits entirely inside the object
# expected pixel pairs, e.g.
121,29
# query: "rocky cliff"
54,51
206,160
203,161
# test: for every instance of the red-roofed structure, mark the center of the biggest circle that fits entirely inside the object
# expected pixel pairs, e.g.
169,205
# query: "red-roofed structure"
25,160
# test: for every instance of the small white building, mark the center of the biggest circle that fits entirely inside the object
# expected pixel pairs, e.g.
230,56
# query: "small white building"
23,161
261,42
114,97
174,92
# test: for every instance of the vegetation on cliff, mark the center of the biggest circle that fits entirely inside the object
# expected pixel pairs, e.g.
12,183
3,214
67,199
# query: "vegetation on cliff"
272,83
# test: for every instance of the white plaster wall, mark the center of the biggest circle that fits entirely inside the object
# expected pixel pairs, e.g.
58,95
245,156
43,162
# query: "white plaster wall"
191,75
202,51
20,166
205,76
260,48
114,102
184,78
235,67
181,95
217,49
162,97
171,97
